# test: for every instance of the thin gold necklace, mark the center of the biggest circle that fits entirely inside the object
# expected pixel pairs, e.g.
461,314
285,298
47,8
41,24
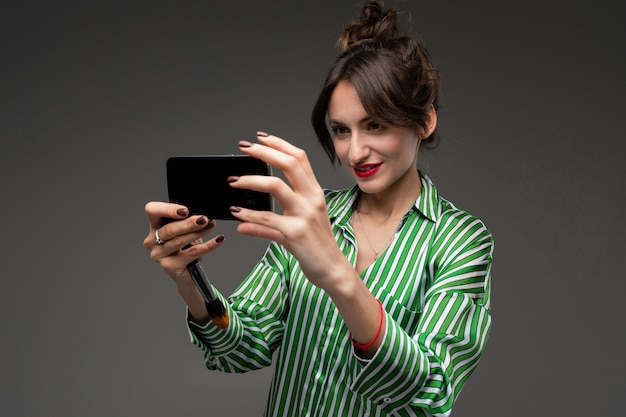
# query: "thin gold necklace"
376,252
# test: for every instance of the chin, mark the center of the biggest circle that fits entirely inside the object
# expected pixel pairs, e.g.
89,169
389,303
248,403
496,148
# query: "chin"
370,187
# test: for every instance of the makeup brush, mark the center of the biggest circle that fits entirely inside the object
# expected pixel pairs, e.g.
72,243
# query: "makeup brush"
214,306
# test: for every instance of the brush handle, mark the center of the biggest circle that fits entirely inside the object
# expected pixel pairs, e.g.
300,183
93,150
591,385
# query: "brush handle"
201,281
215,308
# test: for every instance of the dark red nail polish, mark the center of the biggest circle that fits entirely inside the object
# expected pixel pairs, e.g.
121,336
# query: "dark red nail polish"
244,144
219,239
262,134
233,179
182,212
234,209
201,220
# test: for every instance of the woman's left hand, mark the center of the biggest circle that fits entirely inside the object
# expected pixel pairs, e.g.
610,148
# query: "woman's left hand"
304,227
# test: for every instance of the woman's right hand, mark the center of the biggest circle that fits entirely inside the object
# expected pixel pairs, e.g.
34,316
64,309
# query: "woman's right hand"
180,238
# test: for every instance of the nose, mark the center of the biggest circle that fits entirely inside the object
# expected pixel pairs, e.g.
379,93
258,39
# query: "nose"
359,149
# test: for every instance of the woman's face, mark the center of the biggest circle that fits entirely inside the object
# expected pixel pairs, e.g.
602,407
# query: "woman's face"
379,157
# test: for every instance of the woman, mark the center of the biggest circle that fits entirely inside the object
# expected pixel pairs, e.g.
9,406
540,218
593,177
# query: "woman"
376,297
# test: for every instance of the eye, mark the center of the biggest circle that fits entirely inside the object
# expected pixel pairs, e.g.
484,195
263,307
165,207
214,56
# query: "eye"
340,131
375,127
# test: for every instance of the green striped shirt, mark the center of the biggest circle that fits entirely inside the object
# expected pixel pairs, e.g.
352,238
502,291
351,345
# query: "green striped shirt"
434,283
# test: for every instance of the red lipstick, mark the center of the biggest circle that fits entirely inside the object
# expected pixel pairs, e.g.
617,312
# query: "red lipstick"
367,170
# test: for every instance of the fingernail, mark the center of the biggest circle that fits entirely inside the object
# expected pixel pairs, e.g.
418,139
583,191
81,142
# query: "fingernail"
219,239
234,209
233,179
262,134
211,223
182,212
244,144
201,220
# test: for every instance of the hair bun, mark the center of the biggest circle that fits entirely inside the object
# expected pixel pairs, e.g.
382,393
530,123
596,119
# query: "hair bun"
391,71
375,27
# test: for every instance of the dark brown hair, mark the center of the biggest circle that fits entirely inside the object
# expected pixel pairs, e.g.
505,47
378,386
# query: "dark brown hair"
391,71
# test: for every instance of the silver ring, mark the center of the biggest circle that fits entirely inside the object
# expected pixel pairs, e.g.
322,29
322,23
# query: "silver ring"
159,241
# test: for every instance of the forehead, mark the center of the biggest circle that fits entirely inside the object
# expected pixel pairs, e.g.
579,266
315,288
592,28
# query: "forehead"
345,103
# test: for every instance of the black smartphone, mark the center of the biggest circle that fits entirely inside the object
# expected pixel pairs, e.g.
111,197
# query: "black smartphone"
201,183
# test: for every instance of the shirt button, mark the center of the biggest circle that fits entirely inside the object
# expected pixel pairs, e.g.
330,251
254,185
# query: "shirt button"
387,400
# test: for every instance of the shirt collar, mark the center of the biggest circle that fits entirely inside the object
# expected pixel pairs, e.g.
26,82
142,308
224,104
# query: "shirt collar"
340,210
428,201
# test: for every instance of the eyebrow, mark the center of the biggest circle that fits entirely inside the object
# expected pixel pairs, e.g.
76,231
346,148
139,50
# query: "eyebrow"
367,118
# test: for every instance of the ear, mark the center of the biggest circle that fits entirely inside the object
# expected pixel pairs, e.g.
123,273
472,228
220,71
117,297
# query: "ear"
431,122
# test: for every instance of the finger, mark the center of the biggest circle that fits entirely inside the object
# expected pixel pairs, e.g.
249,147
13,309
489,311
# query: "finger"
177,244
291,160
178,262
275,186
177,235
196,223
157,210
203,248
261,223
257,230
283,146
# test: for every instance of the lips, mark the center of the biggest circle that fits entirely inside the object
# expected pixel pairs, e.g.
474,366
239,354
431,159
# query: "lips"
367,170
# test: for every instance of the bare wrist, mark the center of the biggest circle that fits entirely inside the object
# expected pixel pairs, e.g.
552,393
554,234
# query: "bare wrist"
186,289
194,301
343,281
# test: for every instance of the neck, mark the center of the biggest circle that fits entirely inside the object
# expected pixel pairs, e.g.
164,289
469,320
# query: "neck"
392,202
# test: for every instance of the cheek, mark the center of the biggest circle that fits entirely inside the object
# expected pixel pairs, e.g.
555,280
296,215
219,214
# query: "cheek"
340,150
406,153
411,146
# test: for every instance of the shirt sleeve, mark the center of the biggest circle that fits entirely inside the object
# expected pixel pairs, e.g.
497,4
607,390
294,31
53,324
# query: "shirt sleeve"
428,368
256,319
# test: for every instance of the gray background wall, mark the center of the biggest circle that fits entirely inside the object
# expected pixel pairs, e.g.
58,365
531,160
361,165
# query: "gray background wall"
96,95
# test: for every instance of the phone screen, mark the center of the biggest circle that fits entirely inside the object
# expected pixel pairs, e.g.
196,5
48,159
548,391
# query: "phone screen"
201,184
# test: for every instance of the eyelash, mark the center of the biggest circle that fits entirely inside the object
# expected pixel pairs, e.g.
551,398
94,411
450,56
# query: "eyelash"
378,127
339,130
372,127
